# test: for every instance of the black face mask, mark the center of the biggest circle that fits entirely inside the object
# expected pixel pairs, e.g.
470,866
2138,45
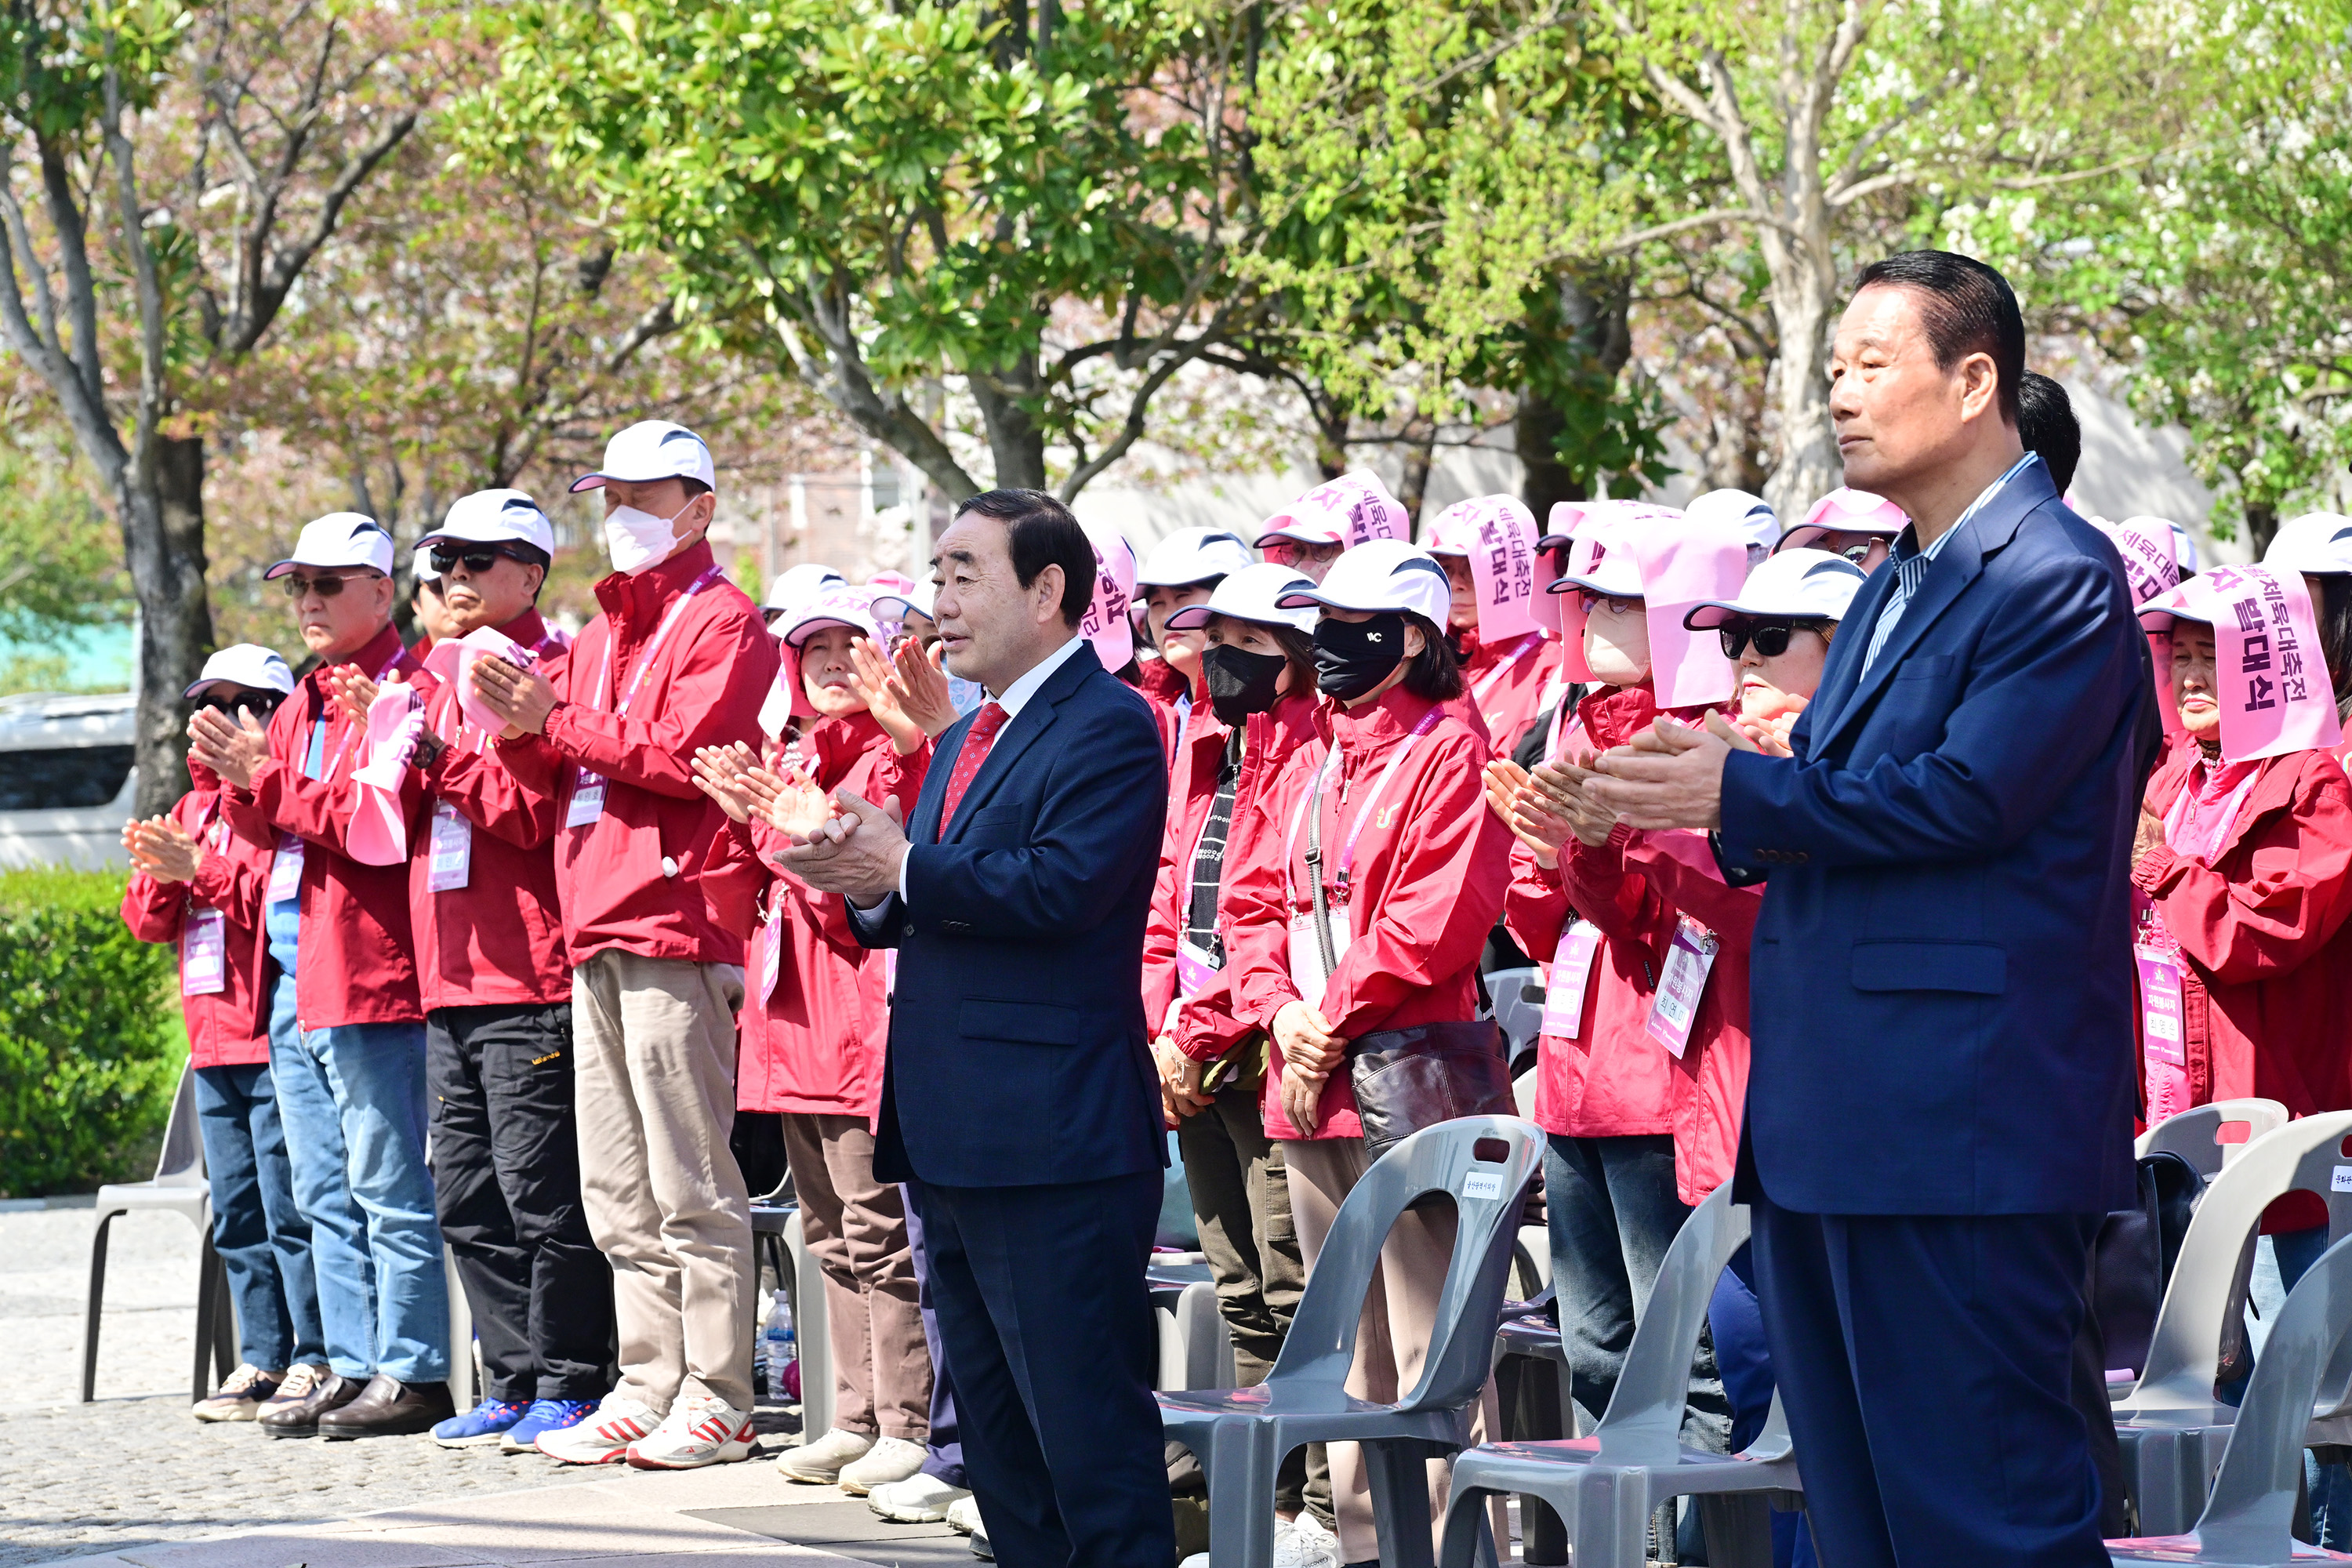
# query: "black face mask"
1353,657
1240,682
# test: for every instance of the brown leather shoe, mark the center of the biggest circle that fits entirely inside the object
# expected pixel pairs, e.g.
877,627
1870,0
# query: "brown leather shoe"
389,1408
284,1417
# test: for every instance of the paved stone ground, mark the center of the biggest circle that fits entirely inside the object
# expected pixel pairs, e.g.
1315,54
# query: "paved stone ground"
133,1469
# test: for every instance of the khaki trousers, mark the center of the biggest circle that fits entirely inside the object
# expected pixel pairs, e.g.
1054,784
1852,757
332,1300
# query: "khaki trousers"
857,1228
1400,1314
655,1081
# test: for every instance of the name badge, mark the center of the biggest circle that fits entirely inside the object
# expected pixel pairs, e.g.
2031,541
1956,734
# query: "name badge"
453,850
2159,1006
203,954
587,800
1675,1005
772,949
1307,971
1572,969
1195,967
285,869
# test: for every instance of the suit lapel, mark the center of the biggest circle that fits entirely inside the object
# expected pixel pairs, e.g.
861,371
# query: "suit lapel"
1018,735
1843,669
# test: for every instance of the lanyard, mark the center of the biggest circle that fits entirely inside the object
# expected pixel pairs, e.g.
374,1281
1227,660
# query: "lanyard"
645,659
360,727
1314,801
1527,644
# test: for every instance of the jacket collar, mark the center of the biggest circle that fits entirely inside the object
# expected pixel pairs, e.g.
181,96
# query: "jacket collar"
529,628
384,648
1378,725
1020,732
653,588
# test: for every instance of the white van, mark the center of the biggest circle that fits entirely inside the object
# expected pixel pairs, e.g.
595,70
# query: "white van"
67,783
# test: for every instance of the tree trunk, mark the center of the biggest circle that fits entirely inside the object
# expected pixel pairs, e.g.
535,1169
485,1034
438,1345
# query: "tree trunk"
1546,481
2261,527
1332,423
1420,457
1015,444
1801,298
163,535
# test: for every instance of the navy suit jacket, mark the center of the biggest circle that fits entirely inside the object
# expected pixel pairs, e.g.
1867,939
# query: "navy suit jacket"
1018,1054
1942,986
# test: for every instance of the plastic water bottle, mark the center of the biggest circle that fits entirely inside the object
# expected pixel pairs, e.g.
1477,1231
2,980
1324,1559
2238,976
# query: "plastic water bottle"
776,1338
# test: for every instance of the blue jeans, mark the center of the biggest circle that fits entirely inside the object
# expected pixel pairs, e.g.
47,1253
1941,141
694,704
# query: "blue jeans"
353,1102
262,1238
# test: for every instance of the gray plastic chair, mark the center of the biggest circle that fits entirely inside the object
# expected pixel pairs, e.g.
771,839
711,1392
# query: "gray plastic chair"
1196,1343
1606,1488
776,1228
1241,1436
2249,1522
2172,1429
2196,1133
1519,996
179,1187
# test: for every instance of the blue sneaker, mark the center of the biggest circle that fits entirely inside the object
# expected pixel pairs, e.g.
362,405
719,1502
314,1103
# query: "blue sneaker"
479,1428
544,1416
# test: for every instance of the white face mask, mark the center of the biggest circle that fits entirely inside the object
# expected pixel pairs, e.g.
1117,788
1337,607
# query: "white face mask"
637,539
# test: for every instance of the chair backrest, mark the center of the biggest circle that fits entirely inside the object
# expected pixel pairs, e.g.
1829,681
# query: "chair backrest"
2198,1134
1516,1014
1484,1164
1644,1422
2300,1156
181,1161
2249,1515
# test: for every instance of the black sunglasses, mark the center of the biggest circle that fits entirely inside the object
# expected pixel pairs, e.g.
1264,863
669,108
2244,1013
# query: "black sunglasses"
260,704
476,557
296,585
1770,637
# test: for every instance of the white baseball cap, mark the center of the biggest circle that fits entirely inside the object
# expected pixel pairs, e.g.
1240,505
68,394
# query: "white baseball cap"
1192,555
652,450
1751,513
1795,585
495,517
796,586
1844,510
2316,543
1253,594
339,538
1376,575
246,664
840,608
420,564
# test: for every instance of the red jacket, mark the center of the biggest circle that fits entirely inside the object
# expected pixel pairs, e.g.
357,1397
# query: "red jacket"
628,878
228,1027
1428,877
355,963
498,940
814,1042
2266,987
1506,684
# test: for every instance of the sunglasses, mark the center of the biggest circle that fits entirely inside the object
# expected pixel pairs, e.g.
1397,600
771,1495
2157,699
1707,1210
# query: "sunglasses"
298,585
260,704
477,558
1770,637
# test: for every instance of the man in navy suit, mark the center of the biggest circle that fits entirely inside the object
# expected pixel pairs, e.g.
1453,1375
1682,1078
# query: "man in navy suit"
1940,1101
1019,1099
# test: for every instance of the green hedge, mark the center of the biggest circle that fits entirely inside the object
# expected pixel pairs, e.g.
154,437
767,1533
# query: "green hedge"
90,1036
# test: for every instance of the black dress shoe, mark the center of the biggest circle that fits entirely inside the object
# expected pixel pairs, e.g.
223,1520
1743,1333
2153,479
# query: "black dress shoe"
301,1417
389,1408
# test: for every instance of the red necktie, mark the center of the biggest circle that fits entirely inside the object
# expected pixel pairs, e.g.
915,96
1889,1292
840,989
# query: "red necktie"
976,741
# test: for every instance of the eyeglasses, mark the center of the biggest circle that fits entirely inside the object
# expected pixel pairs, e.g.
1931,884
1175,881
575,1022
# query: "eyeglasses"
477,558
260,704
1592,601
299,587
1770,637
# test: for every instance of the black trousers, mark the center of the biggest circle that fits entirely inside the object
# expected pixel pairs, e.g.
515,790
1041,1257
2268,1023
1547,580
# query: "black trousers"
506,1179
1045,1316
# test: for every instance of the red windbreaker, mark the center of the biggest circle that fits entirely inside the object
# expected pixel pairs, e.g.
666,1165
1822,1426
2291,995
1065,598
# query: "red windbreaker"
626,878
228,1027
1427,876
355,964
1506,684
815,1042
497,939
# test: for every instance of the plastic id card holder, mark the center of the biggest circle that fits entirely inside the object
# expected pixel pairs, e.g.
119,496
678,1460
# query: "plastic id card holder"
1307,971
1571,971
1675,1006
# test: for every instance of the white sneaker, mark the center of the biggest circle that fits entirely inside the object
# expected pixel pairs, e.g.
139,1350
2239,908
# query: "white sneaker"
890,1459
963,1516
820,1464
1302,1542
604,1438
699,1430
918,1499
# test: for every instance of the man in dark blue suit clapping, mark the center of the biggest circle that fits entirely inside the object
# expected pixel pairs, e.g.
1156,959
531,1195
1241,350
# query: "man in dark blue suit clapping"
1019,1100
1940,1103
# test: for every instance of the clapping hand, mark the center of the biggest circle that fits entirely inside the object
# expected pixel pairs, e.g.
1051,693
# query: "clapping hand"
1525,811
233,749
718,773
907,696
353,692
161,848
1557,787
520,698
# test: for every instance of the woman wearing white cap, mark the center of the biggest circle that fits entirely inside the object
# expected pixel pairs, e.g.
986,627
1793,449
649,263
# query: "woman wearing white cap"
1855,524
1372,875
813,1037
1258,707
1182,568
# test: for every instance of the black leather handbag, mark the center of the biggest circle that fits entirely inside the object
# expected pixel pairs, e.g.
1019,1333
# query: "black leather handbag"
1406,1080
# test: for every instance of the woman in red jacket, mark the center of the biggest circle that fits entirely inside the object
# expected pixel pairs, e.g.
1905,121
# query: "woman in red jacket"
814,1030
1413,866
200,887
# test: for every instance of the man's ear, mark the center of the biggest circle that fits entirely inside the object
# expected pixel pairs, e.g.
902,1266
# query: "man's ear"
1049,588
1979,386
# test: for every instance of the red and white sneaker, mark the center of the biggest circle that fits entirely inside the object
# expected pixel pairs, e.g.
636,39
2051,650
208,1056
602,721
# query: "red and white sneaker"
603,1438
699,1430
